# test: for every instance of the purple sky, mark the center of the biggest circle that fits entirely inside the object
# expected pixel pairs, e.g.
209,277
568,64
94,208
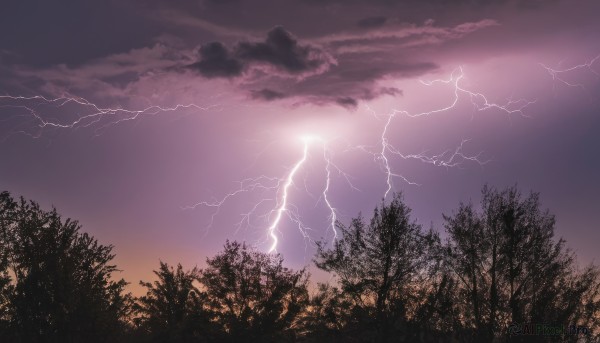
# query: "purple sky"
254,77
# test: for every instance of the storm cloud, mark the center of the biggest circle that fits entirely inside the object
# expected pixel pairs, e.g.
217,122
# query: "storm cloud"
216,61
280,52
308,73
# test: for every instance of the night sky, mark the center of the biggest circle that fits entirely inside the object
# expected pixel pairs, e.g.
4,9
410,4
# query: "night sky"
138,118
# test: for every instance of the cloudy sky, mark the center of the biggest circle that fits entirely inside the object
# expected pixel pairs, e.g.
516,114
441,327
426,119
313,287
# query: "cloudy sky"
167,127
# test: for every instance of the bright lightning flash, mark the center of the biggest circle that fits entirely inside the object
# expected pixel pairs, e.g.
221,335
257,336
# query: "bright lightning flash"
282,206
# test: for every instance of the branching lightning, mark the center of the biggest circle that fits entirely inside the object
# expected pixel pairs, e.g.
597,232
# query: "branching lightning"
557,73
479,101
277,193
448,158
282,186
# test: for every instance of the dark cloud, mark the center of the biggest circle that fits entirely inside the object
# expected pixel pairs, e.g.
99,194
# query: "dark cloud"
351,82
348,97
345,84
282,50
217,62
371,22
365,65
347,102
267,94
392,91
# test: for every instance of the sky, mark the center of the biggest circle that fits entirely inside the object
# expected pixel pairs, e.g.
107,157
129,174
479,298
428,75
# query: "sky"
168,127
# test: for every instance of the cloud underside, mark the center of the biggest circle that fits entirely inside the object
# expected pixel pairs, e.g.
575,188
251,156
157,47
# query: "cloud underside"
344,85
281,68
279,53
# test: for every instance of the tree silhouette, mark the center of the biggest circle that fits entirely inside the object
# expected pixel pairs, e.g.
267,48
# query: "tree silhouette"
173,309
511,269
382,267
467,254
253,297
499,265
57,282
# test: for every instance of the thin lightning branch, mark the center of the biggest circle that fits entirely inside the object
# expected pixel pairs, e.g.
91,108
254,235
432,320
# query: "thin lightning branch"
245,186
479,101
556,73
332,210
96,115
385,147
329,167
447,158
245,221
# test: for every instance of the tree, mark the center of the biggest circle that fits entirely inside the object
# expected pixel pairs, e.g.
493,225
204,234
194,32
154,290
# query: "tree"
58,284
467,254
173,309
510,269
253,297
382,266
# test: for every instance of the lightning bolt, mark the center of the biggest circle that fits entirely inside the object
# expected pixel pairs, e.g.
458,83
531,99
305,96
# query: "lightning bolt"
329,167
282,206
332,210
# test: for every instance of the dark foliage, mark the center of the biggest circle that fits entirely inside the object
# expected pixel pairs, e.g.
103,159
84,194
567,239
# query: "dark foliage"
510,269
56,282
252,296
382,268
173,309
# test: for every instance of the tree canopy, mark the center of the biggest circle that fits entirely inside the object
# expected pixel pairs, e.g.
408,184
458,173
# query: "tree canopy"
381,266
57,283
252,295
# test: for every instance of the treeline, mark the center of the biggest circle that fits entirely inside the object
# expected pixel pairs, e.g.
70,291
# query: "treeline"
498,275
